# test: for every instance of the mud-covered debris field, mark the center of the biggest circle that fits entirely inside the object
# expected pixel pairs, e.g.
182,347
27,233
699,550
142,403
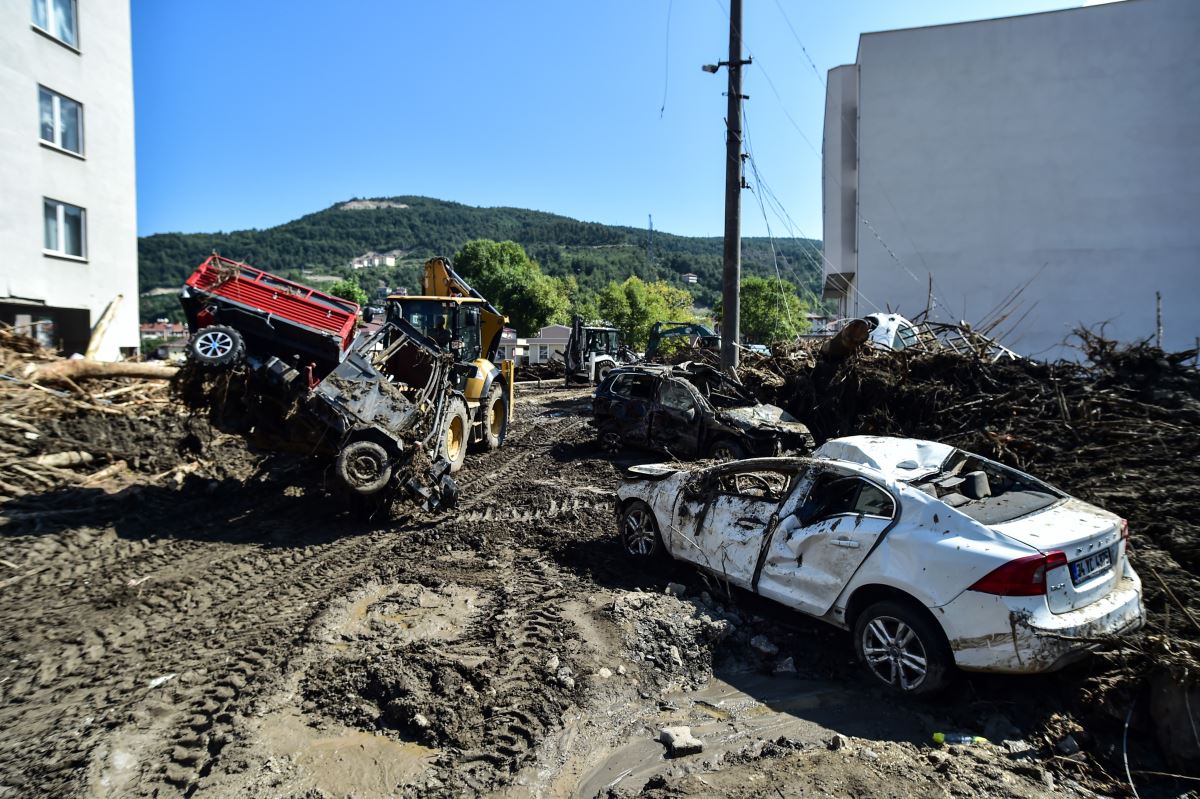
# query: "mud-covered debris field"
184,616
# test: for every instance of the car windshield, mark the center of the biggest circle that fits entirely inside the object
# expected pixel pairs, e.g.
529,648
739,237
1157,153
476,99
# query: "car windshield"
988,492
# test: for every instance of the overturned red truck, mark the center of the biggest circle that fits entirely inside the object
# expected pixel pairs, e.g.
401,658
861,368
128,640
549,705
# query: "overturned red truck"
279,363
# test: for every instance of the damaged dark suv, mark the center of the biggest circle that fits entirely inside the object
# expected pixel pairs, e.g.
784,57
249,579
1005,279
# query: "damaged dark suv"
691,410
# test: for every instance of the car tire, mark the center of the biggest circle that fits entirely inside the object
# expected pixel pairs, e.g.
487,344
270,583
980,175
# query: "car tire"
456,432
726,449
903,648
364,467
609,436
217,346
639,531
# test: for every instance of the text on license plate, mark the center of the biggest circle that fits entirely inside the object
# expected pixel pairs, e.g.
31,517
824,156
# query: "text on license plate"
1090,566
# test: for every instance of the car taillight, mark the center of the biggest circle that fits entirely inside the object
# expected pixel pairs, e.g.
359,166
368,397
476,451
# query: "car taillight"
1125,533
1021,577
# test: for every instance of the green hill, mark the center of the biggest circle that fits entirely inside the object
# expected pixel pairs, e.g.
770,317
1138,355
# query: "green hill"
317,247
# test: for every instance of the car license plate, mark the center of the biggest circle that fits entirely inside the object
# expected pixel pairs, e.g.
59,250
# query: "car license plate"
1086,568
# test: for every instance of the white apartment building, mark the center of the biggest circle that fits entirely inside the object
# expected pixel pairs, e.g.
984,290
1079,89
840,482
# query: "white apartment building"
68,214
1046,167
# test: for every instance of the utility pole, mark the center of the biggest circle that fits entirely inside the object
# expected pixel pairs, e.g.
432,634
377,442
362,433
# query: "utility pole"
731,295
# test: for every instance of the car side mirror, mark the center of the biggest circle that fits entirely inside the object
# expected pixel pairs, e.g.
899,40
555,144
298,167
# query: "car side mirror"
691,414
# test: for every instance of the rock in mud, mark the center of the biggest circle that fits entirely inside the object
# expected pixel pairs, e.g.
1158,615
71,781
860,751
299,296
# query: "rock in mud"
840,743
680,741
764,646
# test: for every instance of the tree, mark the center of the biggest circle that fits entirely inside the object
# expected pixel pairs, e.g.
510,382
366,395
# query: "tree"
635,305
505,275
771,311
349,290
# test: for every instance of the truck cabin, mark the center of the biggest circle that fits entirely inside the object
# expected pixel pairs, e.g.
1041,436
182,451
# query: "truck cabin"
601,340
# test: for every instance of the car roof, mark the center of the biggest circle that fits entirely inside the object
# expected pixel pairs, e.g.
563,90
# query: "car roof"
899,458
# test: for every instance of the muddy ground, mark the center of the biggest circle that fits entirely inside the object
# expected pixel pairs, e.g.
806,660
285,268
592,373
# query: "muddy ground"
227,631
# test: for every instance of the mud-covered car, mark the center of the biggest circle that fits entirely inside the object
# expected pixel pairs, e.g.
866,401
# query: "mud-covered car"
691,411
932,556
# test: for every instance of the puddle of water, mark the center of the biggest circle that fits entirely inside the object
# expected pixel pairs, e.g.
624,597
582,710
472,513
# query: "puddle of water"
732,712
345,762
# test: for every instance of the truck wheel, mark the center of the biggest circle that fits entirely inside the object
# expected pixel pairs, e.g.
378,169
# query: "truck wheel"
903,648
495,418
602,372
456,431
217,346
364,467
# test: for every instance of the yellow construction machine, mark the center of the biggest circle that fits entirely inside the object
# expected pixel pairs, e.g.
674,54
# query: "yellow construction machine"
459,321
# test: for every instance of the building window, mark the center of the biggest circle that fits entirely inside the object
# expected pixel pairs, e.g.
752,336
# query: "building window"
66,229
57,18
61,120
543,353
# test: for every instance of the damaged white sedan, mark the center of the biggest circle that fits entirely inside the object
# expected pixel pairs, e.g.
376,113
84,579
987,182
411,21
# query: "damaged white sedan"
931,556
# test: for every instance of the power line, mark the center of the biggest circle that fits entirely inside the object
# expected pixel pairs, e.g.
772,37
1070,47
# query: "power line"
820,157
803,49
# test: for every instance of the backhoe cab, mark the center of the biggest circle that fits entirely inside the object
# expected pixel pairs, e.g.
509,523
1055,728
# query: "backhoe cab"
593,351
462,323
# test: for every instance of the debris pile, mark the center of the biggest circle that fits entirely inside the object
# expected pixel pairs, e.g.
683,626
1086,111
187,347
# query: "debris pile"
550,370
62,428
1118,429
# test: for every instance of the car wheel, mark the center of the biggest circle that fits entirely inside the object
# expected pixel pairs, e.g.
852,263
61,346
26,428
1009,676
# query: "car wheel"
639,531
456,429
217,346
610,438
364,467
725,449
903,648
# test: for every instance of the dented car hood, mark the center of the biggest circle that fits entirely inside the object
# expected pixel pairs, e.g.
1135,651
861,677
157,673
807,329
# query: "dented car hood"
761,417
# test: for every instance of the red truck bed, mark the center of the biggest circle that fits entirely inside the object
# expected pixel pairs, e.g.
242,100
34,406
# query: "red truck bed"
276,298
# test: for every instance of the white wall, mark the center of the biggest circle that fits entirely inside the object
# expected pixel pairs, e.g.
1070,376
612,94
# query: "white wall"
100,76
1057,152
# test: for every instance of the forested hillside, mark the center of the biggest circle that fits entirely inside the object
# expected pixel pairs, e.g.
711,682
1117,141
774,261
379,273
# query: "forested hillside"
320,245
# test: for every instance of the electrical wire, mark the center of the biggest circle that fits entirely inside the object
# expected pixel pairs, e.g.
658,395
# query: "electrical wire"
934,300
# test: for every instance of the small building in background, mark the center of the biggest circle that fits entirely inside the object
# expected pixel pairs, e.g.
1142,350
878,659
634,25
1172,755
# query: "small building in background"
68,210
690,277
549,344
163,329
1039,171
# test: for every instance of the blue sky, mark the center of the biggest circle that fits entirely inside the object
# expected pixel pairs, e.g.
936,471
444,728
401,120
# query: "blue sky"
254,112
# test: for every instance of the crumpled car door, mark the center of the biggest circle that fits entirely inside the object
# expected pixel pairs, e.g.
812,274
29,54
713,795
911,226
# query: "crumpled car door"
675,420
730,537
815,550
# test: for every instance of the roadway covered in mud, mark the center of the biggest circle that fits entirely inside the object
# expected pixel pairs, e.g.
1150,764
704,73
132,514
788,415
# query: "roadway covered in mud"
204,621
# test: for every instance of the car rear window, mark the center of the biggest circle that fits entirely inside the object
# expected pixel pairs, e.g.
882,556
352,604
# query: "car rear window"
633,386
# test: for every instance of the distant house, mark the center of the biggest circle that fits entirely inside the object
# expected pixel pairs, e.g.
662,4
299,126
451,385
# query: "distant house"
690,277
511,348
162,329
549,344
373,259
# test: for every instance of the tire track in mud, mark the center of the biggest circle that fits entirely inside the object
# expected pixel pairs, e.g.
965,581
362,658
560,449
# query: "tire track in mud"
525,707
242,610
198,742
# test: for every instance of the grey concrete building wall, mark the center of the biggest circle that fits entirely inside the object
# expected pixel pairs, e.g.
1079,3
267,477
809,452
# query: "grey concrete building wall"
99,74
1054,156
